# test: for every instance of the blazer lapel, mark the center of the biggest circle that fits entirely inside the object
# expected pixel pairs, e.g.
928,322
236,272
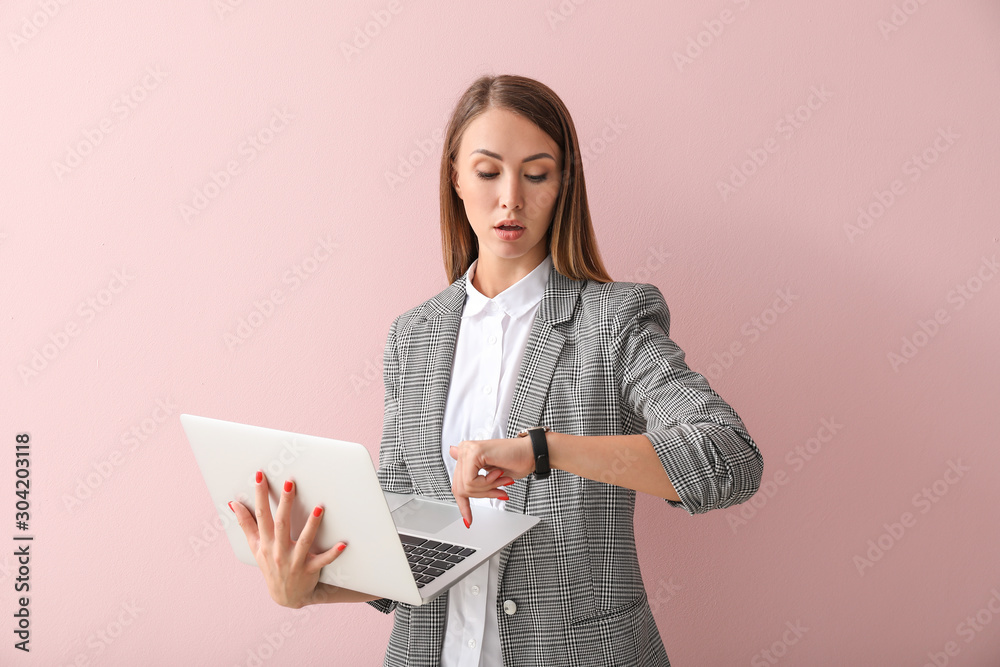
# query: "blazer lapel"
427,370
541,353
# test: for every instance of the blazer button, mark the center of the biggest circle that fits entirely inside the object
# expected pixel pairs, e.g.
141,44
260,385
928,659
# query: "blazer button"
509,607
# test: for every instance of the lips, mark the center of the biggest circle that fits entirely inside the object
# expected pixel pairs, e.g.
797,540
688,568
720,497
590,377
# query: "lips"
509,224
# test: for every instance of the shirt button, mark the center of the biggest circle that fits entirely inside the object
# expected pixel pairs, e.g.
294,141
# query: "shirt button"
472,643
509,607
475,590
492,339
487,390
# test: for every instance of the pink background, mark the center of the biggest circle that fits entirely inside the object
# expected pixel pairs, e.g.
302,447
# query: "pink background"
118,574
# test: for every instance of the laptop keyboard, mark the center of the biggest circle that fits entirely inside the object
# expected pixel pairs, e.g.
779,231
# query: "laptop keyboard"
430,559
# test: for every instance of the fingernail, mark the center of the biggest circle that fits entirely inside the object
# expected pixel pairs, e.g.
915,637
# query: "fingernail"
466,521
508,483
231,506
317,511
260,476
341,546
504,497
288,486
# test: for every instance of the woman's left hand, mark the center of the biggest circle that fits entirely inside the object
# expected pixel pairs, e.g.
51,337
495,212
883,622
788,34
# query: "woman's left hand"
505,460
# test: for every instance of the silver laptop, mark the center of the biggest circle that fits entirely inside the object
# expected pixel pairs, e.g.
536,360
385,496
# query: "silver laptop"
400,546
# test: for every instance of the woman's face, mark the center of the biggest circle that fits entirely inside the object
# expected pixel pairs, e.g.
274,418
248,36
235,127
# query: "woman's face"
508,168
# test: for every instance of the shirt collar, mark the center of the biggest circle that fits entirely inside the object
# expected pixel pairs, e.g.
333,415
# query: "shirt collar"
516,299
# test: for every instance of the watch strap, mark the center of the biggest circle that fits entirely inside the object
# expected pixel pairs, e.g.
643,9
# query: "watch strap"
540,448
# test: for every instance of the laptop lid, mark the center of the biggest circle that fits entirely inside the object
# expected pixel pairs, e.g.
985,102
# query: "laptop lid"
340,475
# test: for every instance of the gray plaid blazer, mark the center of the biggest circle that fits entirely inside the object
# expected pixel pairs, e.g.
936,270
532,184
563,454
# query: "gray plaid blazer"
598,361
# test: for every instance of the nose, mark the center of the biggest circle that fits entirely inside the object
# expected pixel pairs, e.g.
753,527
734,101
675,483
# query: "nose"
510,195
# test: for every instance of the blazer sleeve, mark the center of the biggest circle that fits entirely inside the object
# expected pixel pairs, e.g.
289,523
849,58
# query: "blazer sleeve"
392,473
703,445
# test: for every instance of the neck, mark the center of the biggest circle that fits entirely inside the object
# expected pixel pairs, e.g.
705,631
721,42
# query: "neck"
496,274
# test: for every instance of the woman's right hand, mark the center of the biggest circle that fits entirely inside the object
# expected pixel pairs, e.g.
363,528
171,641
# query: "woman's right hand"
291,572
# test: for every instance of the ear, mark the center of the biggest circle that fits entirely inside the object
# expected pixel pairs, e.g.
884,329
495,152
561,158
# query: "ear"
454,181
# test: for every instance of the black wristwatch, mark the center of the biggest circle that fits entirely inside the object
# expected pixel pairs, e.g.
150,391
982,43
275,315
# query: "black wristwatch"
540,448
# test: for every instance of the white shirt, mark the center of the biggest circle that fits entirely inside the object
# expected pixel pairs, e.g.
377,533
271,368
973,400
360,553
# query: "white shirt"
488,353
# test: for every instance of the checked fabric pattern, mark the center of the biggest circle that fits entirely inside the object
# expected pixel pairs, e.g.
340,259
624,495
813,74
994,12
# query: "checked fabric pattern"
598,361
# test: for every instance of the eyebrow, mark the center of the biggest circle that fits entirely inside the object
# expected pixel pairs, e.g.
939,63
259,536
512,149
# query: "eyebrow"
536,156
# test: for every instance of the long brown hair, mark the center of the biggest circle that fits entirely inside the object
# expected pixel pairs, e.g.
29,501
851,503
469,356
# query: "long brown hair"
571,235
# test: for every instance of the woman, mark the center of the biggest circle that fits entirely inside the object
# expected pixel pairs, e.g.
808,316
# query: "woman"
532,332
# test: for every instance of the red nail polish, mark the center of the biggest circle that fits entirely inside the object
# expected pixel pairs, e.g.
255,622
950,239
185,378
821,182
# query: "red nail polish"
260,476
288,487
231,506
317,511
341,546
508,483
504,497
466,521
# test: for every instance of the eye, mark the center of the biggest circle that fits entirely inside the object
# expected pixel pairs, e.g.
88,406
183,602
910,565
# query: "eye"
489,176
